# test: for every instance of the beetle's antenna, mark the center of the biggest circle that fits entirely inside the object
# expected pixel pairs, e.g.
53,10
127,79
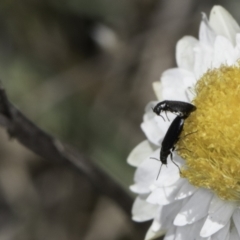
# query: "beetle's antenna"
176,165
154,158
159,171
184,149
189,134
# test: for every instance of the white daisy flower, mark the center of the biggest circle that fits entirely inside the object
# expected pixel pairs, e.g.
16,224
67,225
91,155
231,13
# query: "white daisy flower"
204,202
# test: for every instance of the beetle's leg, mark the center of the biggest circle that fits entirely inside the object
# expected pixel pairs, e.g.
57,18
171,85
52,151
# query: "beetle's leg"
183,148
167,116
159,168
155,158
176,165
171,156
159,115
162,117
188,134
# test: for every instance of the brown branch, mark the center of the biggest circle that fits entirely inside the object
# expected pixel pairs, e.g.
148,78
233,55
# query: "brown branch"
40,142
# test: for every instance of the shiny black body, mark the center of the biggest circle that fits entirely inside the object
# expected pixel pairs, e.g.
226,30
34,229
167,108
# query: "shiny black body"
182,109
171,138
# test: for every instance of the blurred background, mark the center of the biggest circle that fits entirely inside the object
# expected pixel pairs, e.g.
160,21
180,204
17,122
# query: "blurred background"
82,70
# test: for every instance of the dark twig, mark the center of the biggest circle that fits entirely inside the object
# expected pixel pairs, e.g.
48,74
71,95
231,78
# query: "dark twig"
35,139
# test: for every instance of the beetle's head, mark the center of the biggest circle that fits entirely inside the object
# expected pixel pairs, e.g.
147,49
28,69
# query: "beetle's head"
163,157
159,108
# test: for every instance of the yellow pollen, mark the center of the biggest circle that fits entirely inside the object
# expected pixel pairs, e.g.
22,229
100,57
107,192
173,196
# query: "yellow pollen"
212,150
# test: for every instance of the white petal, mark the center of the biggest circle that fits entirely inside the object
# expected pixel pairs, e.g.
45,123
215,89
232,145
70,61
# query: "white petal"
142,210
185,53
233,234
215,204
236,220
189,231
217,220
195,209
223,23
203,59
182,232
158,228
185,191
190,92
164,218
164,125
149,114
206,34
222,234
173,85
164,195
140,153
157,88
152,131
156,225
169,212
140,188
189,79
152,235
224,52
175,82
169,173
237,47
200,238
155,126
170,234
146,175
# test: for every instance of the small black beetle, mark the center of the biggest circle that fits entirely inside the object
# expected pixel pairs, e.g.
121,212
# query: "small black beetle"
169,141
182,109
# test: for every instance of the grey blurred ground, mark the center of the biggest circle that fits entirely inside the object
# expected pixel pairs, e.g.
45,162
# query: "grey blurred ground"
82,70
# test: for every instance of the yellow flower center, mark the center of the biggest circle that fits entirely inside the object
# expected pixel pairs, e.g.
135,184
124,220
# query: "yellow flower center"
212,150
